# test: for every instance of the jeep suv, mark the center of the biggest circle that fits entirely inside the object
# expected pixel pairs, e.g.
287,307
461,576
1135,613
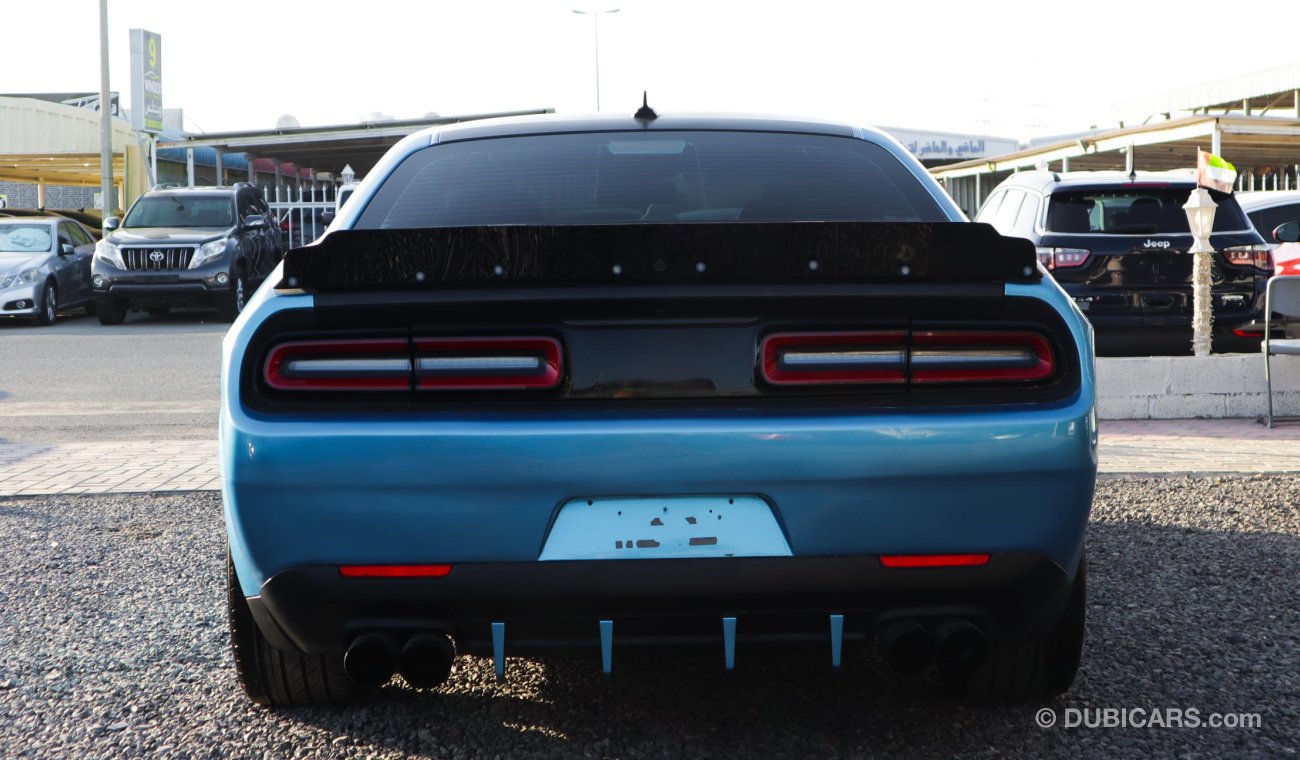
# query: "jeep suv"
205,246
1118,245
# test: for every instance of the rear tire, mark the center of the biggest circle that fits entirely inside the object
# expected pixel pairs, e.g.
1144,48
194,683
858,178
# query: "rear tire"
275,677
110,312
48,311
1042,666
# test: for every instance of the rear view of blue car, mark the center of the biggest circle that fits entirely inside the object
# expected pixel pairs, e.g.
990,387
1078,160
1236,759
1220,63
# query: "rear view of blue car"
615,382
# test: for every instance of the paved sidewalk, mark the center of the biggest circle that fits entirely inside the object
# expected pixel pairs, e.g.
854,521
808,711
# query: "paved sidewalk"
1128,447
108,467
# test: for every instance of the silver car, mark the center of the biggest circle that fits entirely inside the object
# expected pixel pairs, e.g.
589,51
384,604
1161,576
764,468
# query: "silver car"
44,267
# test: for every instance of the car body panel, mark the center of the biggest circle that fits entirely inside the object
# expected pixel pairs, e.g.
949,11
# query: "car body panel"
309,489
70,272
1267,210
967,473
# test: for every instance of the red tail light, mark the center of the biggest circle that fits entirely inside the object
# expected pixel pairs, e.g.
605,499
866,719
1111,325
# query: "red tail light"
975,357
394,571
934,560
347,365
895,357
487,363
1063,258
428,364
1258,256
834,358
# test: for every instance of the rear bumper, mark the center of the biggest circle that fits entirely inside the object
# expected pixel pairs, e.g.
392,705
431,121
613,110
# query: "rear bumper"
558,604
1117,308
473,489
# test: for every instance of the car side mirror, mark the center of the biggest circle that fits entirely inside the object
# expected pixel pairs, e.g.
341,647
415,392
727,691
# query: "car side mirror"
67,249
112,223
327,217
1287,233
254,222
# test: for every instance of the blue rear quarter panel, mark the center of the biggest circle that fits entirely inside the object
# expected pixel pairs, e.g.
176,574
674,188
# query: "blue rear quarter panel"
340,489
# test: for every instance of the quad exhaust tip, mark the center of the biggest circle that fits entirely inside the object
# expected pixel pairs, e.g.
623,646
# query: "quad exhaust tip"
956,646
426,660
962,646
371,659
906,646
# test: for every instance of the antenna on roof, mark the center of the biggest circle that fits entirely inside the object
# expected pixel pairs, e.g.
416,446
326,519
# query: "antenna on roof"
645,112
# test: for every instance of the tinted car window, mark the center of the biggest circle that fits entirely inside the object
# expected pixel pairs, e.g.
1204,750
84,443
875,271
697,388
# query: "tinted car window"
1005,219
1024,222
79,235
65,233
1134,211
1267,219
248,205
990,209
668,177
182,211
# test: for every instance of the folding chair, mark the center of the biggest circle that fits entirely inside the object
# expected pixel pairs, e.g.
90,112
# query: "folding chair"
1282,298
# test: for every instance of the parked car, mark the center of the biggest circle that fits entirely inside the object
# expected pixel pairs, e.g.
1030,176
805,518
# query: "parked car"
300,226
609,381
1269,210
89,220
44,267
204,246
341,196
1117,244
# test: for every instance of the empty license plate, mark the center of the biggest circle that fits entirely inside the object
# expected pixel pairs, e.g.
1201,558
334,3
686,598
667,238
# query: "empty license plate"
670,527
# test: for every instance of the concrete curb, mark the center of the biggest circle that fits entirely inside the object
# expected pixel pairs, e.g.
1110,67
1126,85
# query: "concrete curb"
1190,387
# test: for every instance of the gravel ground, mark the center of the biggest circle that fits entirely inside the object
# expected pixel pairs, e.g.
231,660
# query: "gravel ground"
113,643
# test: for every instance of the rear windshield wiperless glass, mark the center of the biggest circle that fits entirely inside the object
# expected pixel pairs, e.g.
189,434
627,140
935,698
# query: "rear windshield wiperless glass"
1135,211
654,177
182,211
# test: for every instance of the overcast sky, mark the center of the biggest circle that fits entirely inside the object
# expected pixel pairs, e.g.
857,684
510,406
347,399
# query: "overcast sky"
1016,69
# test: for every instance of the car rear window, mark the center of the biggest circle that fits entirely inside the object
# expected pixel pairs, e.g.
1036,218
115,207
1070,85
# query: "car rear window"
182,211
1135,211
651,177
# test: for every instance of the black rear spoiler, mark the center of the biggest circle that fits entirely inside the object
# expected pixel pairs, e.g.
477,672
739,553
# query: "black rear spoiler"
351,261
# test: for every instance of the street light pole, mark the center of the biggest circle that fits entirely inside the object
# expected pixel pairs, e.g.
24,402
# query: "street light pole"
595,32
105,118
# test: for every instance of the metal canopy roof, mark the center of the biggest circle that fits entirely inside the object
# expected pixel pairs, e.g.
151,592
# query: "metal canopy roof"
329,148
1247,141
1256,93
51,143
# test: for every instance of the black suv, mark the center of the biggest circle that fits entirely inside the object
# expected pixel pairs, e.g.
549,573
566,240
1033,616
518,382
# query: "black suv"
185,246
1117,243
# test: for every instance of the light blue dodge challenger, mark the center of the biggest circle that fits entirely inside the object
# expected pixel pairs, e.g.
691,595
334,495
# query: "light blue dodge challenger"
607,382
